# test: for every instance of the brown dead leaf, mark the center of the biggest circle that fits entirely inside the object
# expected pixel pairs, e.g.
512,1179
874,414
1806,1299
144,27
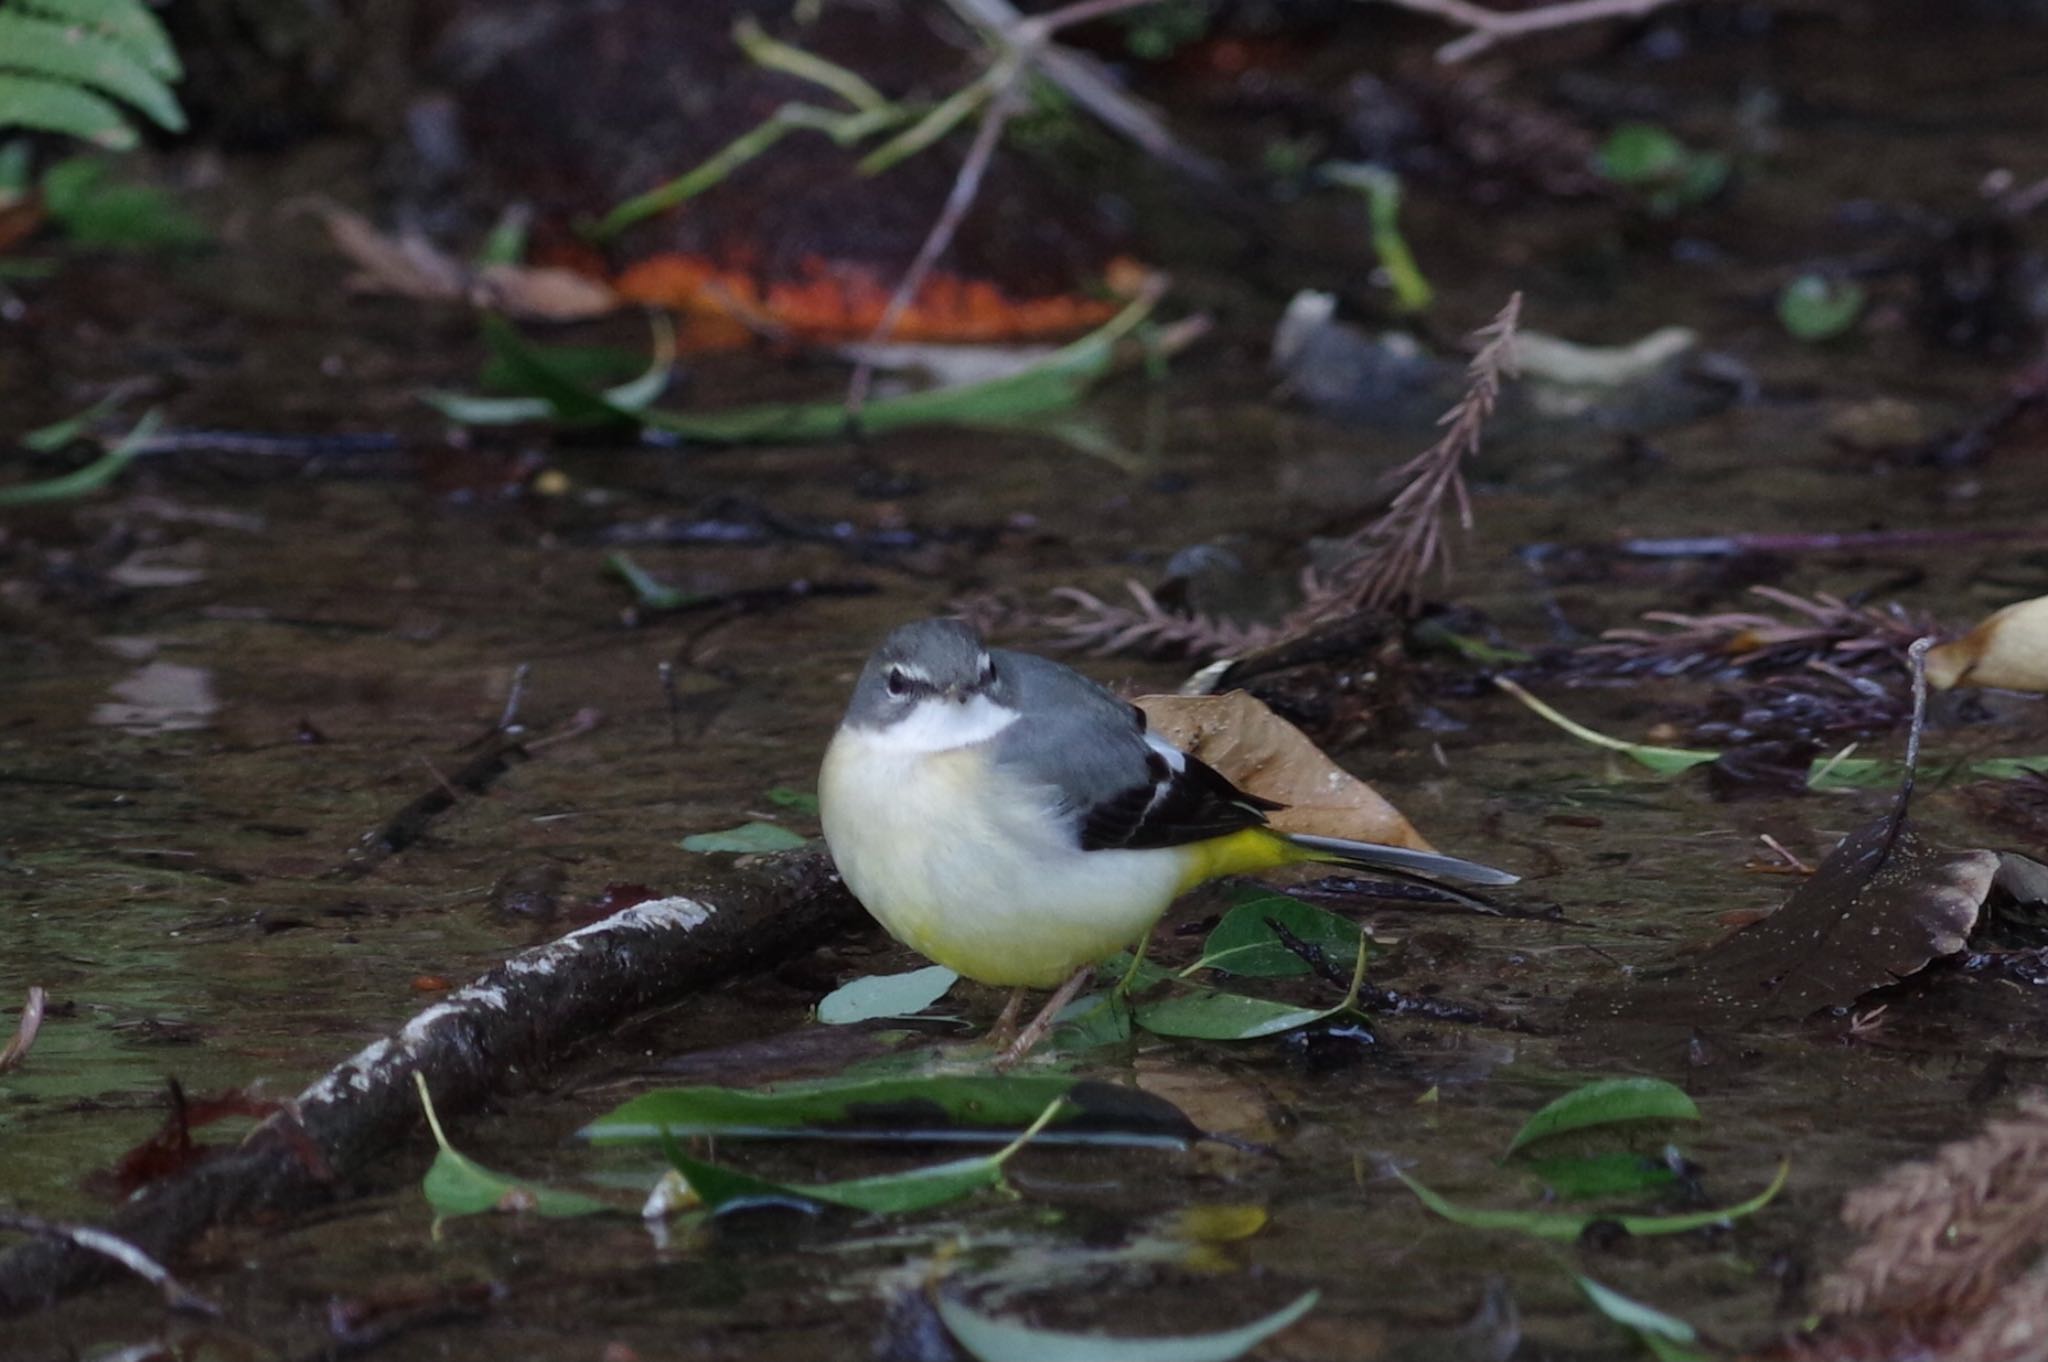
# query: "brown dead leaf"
408,265
1879,908
543,293
1265,755
25,1033
2009,650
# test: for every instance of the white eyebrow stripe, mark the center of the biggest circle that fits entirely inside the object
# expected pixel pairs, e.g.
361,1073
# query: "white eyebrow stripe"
913,671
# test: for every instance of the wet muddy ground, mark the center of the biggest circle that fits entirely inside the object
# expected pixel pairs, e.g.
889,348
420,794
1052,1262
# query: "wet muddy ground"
220,674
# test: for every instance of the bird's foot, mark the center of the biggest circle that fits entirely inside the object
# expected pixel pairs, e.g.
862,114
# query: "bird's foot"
1003,1034
1028,1039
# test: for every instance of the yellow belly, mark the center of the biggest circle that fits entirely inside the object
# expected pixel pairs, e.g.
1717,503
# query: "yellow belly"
979,876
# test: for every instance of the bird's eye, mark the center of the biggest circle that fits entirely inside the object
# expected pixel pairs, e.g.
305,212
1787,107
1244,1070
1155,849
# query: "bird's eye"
898,682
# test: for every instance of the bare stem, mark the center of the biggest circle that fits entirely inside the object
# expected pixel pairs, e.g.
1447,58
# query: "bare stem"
1490,26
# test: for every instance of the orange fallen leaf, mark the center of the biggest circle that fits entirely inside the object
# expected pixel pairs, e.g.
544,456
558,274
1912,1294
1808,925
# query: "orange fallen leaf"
1265,755
2009,650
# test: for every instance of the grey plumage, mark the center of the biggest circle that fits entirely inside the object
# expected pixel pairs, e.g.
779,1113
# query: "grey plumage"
1087,749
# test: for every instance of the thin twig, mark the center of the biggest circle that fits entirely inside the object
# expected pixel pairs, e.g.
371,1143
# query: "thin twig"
177,1295
1490,26
966,185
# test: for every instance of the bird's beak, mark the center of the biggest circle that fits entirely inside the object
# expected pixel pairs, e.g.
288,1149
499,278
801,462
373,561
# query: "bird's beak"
957,694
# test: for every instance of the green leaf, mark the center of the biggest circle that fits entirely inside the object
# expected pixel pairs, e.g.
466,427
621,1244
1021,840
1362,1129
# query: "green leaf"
1566,1225
1382,190
1058,381
1093,1021
96,212
93,476
1839,772
1212,1014
59,51
886,995
925,1110
991,1339
458,1185
748,838
1669,174
883,1194
803,801
1612,1174
127,24
1641,154
1814,307
1606,1102
1668,1338
1245,943
53,437
647,589
517,366
52,106
1664,760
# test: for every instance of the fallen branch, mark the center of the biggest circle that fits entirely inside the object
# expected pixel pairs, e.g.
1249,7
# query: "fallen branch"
1490,26
522,1017
112,1247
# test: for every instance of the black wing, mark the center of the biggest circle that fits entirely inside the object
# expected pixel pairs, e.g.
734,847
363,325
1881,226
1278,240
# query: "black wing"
1171,809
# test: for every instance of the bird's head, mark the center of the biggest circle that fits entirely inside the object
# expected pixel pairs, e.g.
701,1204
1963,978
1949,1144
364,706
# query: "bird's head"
938,662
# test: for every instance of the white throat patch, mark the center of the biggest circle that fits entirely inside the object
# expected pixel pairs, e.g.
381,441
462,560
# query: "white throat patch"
940,725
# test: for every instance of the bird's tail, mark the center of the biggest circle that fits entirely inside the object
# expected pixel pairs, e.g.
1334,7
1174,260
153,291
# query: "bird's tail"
1402,862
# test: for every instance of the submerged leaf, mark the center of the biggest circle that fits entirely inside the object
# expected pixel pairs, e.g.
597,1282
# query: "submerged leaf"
1606,1102
1884,903
1612,1174
1213,1014
886,995
1569,1225
1668,1338
1814,307
458,1185
748,838
926,1110
991,1339
803,801
914,1189
1263,754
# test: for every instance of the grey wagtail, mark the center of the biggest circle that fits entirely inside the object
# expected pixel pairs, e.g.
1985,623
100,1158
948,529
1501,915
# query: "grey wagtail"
1013,821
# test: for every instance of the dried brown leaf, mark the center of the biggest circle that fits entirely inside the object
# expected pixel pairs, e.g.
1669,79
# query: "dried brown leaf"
1265,755
2009,650
1882,905
25,1032
410,266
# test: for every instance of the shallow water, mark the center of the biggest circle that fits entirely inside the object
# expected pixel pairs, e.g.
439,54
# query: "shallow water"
166,870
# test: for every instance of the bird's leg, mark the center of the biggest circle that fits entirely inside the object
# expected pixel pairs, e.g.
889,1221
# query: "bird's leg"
1027,1040
1123,985
1005,1030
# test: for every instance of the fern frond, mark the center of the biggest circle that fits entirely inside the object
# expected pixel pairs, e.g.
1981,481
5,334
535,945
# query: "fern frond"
127,24
64,63
51,106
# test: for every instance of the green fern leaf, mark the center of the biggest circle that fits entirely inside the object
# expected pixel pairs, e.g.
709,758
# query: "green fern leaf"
127,24
66,52
53,106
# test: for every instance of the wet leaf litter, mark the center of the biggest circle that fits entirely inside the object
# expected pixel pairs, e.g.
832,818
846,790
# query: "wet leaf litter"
166,873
